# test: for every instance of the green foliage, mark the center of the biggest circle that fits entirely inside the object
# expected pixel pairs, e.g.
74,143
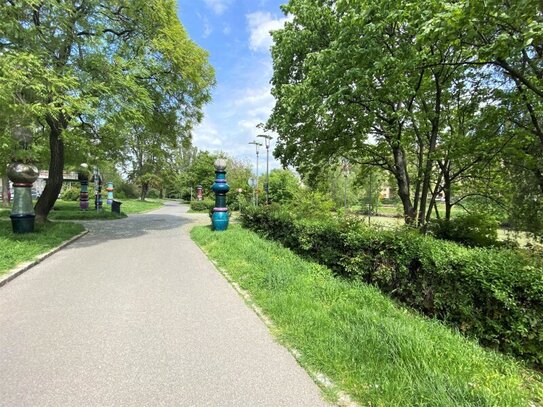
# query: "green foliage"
493,295
475,230
119,79
71,194
311,204
445,96
20,248
371,349
126,190
284,186
204,205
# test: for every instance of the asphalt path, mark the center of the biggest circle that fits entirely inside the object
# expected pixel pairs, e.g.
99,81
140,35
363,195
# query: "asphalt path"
134,314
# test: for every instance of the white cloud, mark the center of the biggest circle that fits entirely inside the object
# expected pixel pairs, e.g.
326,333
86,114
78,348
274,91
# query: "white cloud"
218,6
226,29
206,136
207,30
260,24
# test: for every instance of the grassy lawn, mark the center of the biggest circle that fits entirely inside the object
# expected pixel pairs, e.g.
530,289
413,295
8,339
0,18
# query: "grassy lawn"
379,353
17,249
69,210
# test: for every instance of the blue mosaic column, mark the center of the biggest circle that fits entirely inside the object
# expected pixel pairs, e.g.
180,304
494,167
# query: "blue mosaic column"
219,219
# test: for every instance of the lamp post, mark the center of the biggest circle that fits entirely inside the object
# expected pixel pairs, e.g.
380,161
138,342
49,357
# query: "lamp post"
257,144
267,141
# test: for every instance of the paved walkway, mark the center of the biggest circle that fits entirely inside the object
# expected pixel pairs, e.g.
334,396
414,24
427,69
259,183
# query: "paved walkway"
133,314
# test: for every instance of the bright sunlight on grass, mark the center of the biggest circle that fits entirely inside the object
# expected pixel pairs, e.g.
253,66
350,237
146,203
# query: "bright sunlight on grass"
380,354
15,249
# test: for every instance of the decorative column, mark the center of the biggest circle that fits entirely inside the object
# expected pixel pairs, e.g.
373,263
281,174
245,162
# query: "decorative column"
22,214
97,179
199,192
83,177
109,190
219,218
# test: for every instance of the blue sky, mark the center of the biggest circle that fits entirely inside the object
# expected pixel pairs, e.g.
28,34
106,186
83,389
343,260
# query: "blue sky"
236,35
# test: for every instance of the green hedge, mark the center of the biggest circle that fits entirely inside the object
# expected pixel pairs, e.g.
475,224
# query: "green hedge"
493,295
202,206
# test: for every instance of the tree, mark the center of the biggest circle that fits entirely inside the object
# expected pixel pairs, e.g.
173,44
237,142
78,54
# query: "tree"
349,81
441,95
283,186
83,69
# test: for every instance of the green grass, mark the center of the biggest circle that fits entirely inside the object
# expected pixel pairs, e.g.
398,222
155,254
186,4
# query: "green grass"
379,353
69,210
16,249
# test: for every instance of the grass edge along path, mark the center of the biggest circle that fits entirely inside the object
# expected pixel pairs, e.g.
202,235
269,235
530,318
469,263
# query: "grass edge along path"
377,352
16,249
69,210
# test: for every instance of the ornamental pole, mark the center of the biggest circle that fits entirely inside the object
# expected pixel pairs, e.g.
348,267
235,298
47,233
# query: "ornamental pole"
219,219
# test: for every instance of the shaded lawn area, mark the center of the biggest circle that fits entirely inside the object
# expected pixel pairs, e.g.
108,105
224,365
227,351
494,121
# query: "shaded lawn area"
69,210
19,248
379,353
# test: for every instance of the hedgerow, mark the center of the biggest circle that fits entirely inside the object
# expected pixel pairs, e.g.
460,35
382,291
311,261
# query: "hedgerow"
494,295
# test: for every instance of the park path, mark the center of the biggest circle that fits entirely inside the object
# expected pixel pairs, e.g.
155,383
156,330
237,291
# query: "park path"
134,314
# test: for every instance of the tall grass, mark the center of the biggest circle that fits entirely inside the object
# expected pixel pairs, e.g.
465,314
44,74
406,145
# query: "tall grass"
379,353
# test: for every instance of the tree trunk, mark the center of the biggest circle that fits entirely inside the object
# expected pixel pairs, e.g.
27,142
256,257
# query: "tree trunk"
56,167
447,193
5,191
402,178
161,193
144,190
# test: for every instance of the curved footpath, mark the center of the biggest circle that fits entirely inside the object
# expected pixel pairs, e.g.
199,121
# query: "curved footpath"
134,314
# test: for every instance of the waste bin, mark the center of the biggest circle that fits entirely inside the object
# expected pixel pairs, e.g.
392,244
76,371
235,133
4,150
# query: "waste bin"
116,206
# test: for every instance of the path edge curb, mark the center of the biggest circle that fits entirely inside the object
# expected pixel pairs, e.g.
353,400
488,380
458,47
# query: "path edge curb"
343,398
16,272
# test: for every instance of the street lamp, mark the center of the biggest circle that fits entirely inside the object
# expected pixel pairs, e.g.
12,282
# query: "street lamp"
267,141
257,144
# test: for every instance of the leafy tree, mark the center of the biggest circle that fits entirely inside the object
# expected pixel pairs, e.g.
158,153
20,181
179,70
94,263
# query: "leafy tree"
349,81
283,186
83,69
442,95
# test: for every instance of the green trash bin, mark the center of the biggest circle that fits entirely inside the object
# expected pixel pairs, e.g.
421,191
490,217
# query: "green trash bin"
116,206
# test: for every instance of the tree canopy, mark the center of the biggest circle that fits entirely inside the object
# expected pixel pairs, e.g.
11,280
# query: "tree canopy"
89,74
442,95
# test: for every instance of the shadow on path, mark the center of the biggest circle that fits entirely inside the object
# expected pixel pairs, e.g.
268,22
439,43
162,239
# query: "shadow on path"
167,218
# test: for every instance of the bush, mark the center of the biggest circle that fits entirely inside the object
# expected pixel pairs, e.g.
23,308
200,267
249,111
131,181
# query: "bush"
468,229
127,190
71,194
493,295
202,206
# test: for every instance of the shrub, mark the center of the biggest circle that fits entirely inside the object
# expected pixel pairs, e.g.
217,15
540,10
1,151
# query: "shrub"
202,206
127,190
71,194
468,229
493,295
